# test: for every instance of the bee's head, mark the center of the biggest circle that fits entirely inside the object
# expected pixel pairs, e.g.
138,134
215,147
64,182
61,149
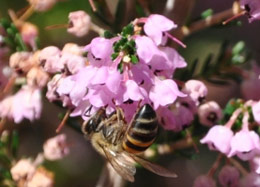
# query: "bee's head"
93,124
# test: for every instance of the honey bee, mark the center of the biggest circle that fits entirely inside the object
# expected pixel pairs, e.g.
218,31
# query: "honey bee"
120,143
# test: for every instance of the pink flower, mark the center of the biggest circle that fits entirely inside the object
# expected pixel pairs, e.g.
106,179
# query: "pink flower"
5,74
41,178
164,92
72,48
163,60
55,148
99,51
27,104
21,62
37,77
72,63
251,83
79,23
218,138
256,112
134,92
42,5
196,90
245,144
229,176
209,113
156,26
6,106
49,59
250,180
23,169
204,181
176,119
255,164
29,33
252,7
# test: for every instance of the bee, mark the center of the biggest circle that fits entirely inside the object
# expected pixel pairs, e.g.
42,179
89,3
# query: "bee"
120,143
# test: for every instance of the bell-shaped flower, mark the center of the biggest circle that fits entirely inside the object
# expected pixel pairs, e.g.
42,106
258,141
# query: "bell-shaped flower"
41,178
21,62
99,51
218,138
23,169
245,144
229,176
134,92
42,5
209,113
37,77
256,111
197,90
55,148
255,164
49,58
79,23
164,92
204,181
155,27
252,7
72,63
250,84
27,104
250,180
72,48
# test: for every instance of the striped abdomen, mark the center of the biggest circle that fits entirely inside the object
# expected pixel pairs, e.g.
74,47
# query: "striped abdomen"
143,130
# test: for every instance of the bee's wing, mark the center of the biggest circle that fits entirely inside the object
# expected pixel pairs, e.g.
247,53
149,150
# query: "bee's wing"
159,170
122,166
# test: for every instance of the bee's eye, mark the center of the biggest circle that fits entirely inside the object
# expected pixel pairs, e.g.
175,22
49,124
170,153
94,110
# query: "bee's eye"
90,126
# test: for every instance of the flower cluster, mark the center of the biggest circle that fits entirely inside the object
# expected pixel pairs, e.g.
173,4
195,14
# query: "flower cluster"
245,143
117,71
30,173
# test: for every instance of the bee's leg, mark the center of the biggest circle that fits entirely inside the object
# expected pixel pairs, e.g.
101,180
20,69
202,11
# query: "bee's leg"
120,115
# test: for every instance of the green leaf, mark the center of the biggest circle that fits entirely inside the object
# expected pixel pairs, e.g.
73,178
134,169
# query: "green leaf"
238,48
108,34
14,143
20,42
238,59
206,13
120,67
4,23
128,30
114,56
134,59
10,32
14,28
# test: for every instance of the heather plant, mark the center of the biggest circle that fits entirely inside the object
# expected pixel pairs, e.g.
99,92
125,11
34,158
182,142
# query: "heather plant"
135,56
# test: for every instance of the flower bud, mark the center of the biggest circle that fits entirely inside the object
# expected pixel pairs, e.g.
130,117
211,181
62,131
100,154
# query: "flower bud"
23,169
204,181
55,148
41,178
209,113
79,23
37,77
228,176
197,90
42,5
21,62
